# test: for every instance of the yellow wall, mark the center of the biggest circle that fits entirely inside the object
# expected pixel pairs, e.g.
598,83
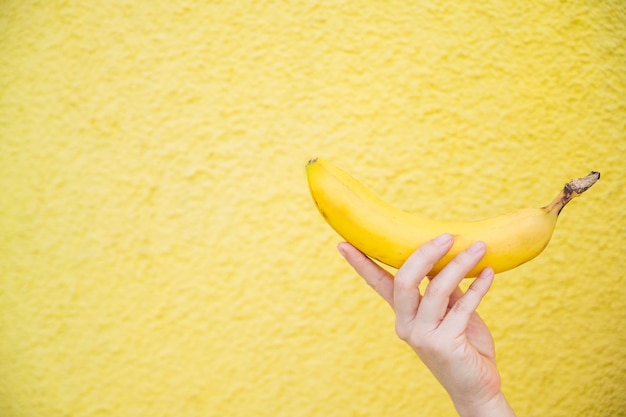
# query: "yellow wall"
160,254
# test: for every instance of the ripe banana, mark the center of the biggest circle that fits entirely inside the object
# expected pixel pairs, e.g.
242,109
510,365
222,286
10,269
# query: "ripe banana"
390,235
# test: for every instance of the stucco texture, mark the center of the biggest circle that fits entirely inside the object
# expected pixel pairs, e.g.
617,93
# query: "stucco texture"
160,254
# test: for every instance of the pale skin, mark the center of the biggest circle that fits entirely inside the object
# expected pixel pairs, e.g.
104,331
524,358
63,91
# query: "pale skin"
442,325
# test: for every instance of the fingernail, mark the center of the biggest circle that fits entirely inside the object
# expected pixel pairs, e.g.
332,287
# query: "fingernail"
443,239
341,250
486,273
477,247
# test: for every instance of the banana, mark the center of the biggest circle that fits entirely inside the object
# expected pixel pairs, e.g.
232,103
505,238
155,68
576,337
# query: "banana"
390,235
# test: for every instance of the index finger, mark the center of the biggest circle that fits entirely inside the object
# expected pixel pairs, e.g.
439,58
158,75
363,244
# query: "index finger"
406,295
375,276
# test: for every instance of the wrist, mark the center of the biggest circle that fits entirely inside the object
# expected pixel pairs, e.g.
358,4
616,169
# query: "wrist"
496,406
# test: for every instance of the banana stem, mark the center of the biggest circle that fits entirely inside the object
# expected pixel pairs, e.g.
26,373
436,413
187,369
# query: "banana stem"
571,190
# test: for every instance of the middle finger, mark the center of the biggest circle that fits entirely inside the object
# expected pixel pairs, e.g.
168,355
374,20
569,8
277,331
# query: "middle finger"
437,295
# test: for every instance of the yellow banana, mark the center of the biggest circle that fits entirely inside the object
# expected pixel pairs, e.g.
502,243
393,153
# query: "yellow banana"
390,235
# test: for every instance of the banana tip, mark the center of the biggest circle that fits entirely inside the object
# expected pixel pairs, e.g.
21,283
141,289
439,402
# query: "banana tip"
581,185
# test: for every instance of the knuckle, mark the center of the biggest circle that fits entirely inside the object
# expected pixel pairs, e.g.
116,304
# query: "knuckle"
460,260
433,289
401,280
460,306
405,283
428,255
467,303
424,251
376,284
377,279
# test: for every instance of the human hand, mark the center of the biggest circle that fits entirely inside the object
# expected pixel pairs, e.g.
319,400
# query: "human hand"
442,325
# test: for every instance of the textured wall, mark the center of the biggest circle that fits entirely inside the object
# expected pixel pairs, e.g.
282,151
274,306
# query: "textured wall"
160,254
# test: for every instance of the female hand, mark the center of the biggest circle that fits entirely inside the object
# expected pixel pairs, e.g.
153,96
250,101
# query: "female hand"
442,325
